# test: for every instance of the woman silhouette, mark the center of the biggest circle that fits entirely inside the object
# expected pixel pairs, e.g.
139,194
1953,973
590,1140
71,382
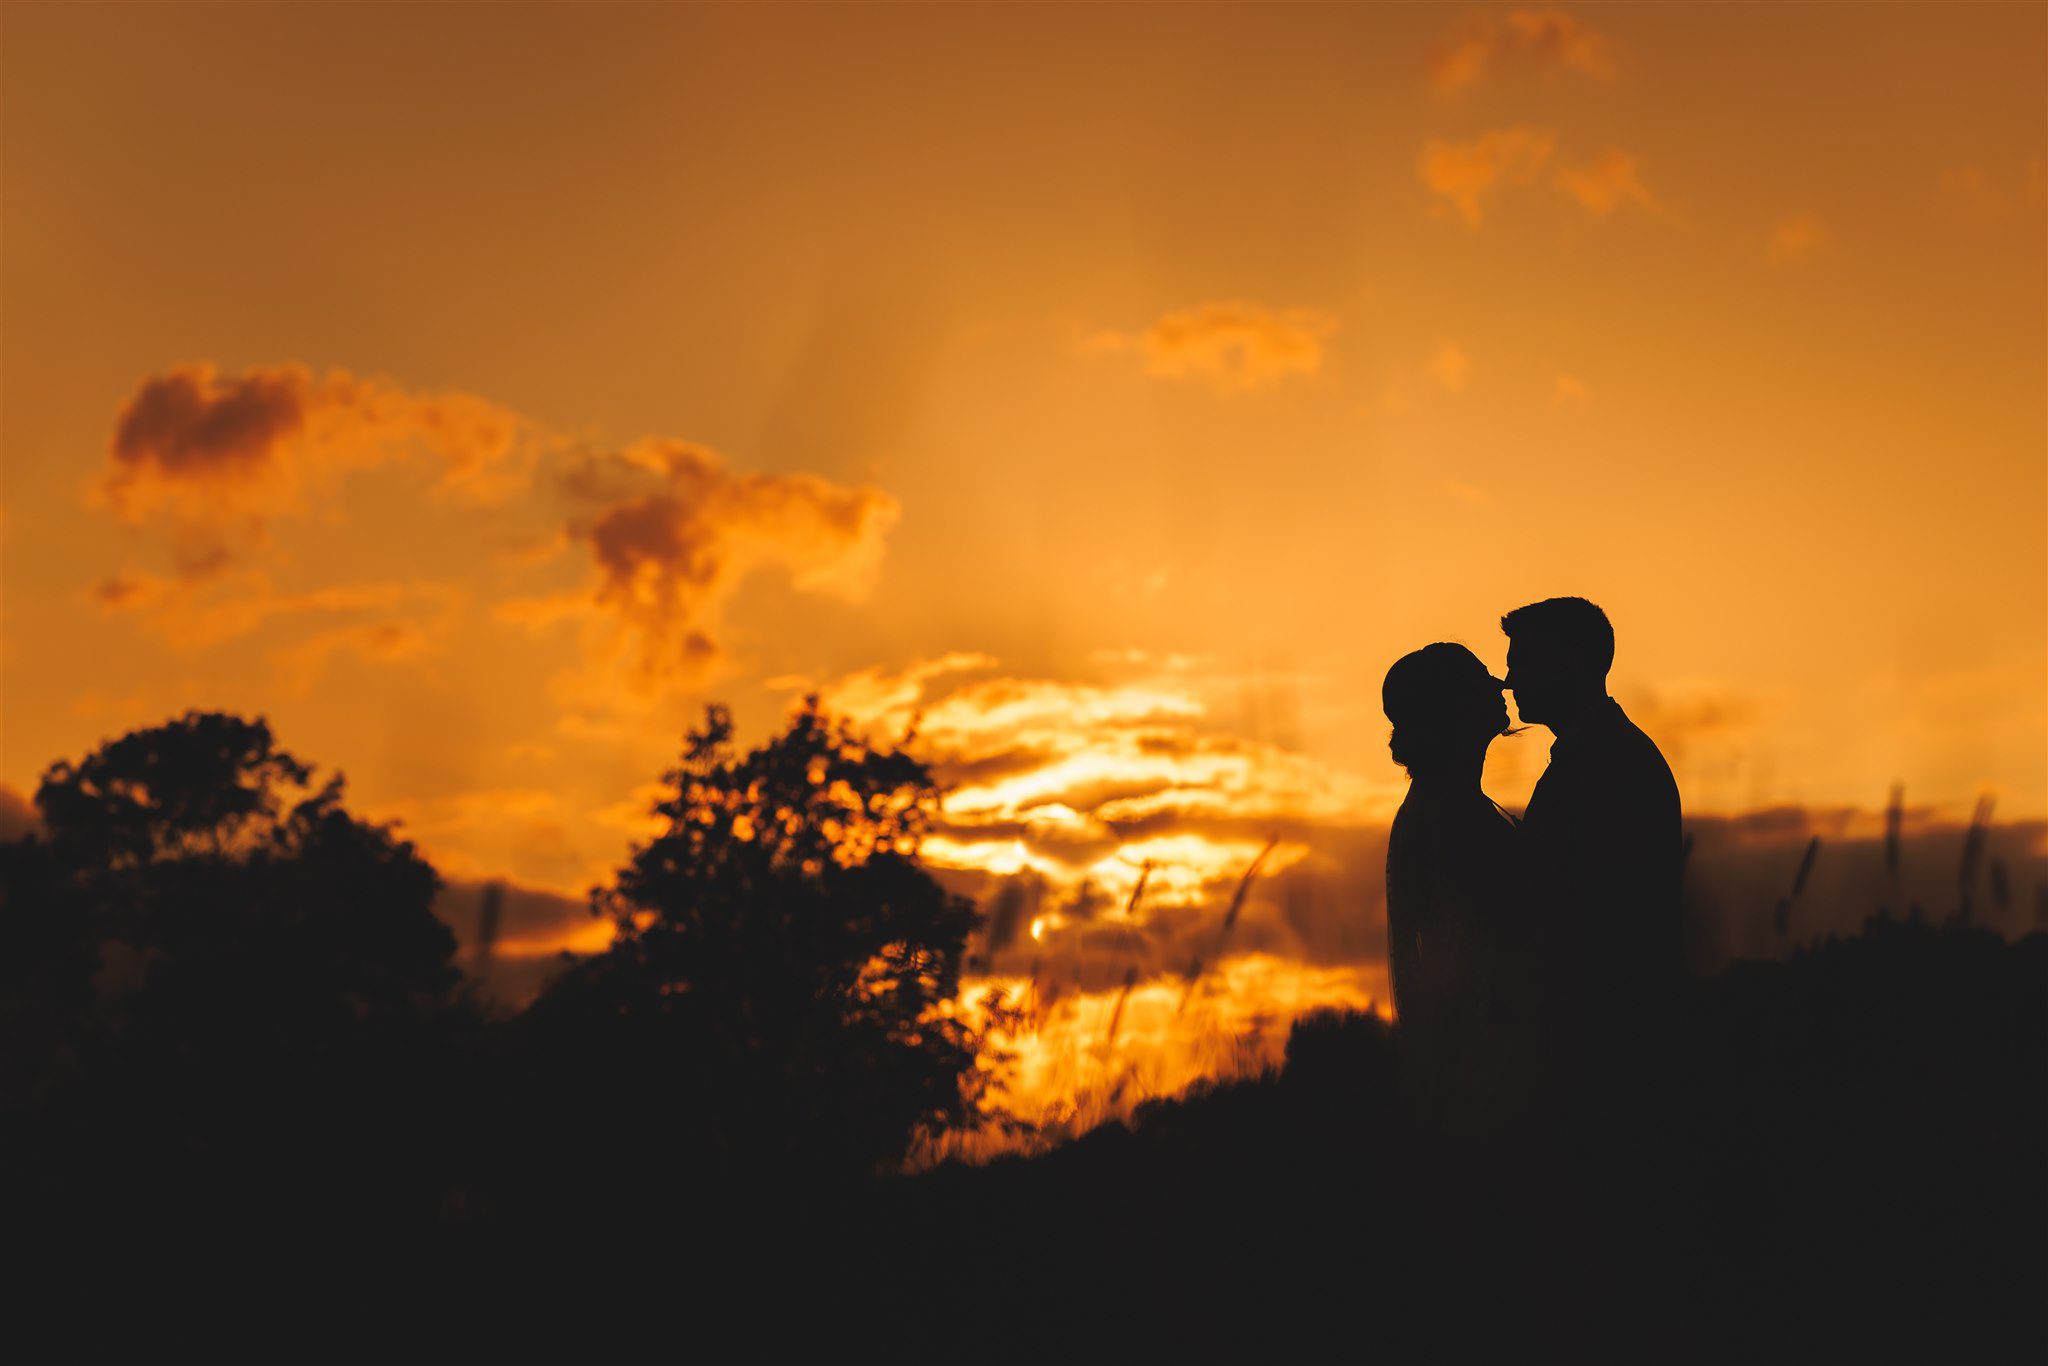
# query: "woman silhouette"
1450,884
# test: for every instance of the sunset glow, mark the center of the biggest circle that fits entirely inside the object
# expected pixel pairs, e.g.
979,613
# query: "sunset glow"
1085,1057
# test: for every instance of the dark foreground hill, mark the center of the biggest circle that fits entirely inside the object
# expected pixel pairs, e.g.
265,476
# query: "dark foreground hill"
1856,1173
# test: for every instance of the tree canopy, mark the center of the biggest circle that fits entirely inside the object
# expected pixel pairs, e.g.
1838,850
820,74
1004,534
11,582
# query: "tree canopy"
197,870
781,936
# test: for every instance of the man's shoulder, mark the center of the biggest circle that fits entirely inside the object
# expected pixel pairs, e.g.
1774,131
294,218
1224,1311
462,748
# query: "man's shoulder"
1636,741
1615,753
1640,766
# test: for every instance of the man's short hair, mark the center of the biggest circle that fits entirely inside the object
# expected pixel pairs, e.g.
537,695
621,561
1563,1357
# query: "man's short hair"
1578,630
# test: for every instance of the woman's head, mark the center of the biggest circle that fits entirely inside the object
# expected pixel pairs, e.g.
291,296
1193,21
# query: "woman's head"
1444,704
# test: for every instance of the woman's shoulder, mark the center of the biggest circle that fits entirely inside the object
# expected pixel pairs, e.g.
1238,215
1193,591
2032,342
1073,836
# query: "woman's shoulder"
1412,819
1481,815
1408,837
1472,842
1456,820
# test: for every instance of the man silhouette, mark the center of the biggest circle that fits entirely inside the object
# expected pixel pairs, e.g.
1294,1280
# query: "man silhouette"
1602,842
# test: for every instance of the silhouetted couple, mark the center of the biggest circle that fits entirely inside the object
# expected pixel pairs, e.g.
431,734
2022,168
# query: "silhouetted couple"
1536,964
1537,969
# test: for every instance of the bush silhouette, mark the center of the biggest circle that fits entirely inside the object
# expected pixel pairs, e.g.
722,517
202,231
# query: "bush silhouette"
212,878
226,1002
194,891
780,956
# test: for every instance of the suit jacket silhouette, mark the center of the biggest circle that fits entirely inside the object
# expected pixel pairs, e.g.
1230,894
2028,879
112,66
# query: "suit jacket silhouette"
1603,840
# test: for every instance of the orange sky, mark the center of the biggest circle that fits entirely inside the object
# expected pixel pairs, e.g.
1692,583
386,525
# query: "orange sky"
476,391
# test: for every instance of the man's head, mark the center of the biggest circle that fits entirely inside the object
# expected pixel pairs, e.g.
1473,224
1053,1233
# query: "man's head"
1559,651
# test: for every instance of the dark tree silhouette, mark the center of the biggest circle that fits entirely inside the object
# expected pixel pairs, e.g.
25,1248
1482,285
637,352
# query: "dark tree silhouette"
782,945
229,1018
214,876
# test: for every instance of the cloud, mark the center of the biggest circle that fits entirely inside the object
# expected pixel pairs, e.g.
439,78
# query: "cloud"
1607,183
1465,174
1570,392
876,693
672,532
1547,40
1795,238
1061,792
213,460
545,837
1233,348
217,457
